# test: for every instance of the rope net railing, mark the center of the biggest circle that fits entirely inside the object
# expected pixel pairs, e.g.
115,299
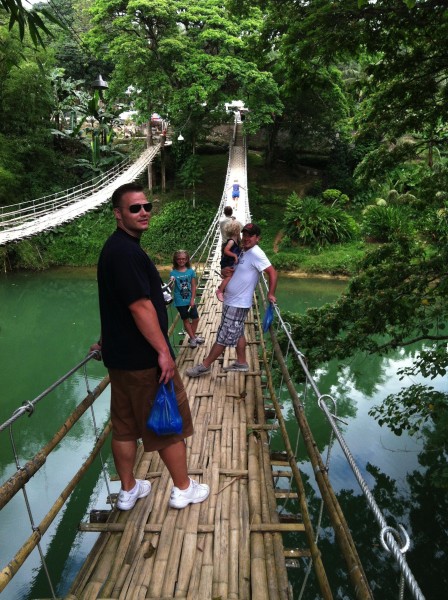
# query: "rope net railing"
12,213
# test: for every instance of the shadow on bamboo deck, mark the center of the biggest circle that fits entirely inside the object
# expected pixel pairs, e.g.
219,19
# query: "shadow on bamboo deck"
231,545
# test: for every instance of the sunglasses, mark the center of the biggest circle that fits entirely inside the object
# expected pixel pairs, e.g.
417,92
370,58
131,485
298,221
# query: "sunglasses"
136,208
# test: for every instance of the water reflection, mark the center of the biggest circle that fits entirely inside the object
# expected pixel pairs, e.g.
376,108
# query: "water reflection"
47,323
400,470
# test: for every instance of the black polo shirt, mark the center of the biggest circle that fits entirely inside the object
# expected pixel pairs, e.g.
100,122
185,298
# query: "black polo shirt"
127,274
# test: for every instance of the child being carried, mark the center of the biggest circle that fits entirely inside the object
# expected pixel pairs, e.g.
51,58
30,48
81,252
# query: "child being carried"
231,249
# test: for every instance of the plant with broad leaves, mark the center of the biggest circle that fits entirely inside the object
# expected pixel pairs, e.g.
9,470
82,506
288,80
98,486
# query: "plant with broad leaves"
311,223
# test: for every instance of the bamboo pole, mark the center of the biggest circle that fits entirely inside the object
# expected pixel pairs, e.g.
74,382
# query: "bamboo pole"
189,552
272,566
244,550
130,585
129,546
234,522
217,547
175,549
205,577
90,566
274,542
120,527
14,565
163,550
243,517
22,476
226,460
342,532
258,560
137,585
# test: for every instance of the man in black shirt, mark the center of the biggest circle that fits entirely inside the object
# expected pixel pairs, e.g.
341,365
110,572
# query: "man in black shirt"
135,349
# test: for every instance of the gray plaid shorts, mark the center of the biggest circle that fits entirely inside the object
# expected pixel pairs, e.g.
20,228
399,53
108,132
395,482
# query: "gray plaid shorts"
232,325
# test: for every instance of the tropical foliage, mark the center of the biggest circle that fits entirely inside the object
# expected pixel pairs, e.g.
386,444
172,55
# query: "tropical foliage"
382,223
33,19
168,230
310,222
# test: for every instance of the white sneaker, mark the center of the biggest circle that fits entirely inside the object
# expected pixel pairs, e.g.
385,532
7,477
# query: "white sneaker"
195,493
200,339
127,500
192,342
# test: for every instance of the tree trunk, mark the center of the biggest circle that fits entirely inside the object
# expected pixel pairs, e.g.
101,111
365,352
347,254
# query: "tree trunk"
148,145
162,167
272,132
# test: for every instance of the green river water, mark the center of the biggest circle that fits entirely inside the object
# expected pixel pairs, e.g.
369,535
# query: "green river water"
47,322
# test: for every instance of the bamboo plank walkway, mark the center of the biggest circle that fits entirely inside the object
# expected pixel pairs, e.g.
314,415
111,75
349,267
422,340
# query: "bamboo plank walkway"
228,547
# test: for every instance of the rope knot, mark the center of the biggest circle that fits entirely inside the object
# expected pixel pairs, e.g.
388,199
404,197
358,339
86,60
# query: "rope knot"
29,407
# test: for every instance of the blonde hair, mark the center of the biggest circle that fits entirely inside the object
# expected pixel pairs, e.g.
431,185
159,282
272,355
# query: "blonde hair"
176,256
232,228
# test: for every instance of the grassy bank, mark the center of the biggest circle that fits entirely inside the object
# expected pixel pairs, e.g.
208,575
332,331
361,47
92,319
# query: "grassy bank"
176,224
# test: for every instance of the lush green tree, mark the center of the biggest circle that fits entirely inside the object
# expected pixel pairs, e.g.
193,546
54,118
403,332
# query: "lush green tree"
315,105
29,164
405,85
398,298
66,43
186,59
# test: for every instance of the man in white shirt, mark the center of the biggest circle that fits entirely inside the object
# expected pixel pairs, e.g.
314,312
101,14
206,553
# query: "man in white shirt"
238,301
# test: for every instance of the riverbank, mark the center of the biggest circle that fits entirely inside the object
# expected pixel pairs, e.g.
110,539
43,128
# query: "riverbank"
305,275
176,224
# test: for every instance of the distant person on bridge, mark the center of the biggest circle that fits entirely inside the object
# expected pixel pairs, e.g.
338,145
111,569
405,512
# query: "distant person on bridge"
236,189
184,279
231,249
135,349
238,298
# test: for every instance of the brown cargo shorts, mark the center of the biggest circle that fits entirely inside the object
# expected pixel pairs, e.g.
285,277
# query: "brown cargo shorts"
132,395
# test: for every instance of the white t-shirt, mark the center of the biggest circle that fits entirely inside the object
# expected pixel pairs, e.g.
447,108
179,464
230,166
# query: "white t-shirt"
240,289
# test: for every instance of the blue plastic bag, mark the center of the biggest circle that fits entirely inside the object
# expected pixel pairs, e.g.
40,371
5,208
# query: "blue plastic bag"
268,317
165,418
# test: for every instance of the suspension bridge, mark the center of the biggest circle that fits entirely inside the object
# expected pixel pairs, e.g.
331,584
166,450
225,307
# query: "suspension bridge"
25,219
233,545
